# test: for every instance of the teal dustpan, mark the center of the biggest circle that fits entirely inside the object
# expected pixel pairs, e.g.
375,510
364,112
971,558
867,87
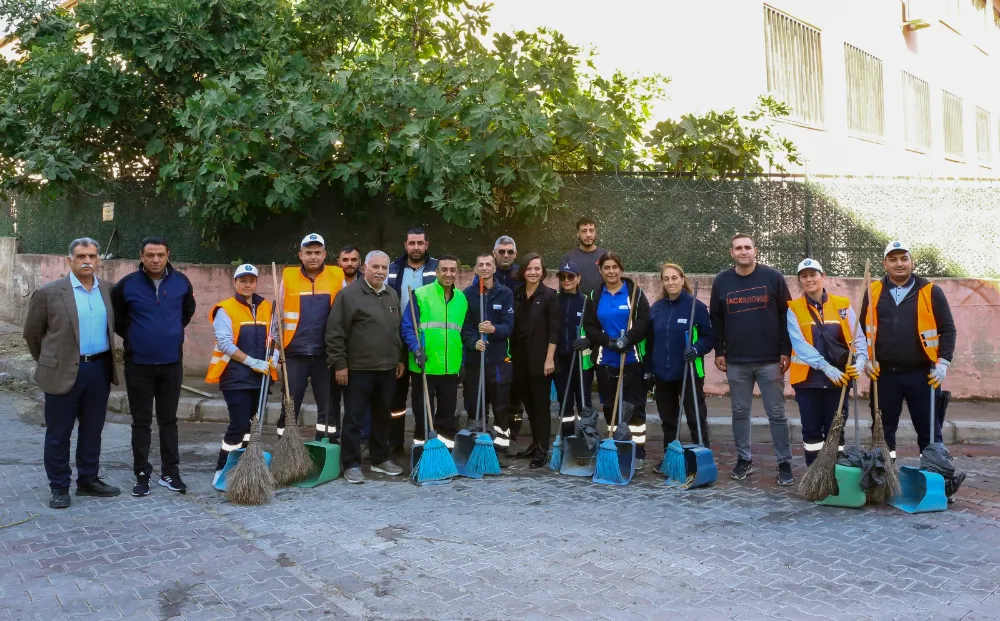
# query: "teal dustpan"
922,490
231,460
325,455
849,492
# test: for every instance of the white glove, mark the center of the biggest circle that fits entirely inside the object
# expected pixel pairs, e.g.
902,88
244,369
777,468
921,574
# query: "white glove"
260,366
936,377
838,377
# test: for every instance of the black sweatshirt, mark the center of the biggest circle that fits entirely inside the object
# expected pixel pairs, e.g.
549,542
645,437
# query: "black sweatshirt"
749,316
898,343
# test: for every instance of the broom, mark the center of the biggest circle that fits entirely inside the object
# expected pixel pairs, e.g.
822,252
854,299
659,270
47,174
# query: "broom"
555,463
674,465
820,480
483,459
291,460
251,483
436,462
607,453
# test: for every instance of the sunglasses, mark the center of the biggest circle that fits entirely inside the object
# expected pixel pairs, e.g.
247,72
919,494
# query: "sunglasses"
505,251
567,276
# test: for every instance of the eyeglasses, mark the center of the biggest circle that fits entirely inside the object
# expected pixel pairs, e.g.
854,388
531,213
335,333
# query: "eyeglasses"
567,276
505,251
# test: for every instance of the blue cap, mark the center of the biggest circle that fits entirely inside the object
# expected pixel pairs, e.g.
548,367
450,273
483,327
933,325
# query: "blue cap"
569,267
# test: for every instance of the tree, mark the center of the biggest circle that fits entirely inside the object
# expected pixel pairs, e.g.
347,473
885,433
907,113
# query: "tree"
719,144
245,107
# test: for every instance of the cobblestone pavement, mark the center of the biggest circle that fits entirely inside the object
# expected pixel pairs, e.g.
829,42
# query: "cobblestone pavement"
524,546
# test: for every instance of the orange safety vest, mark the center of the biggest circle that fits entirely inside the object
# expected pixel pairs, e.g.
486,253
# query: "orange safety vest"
239,313
834,311
926,324
329,281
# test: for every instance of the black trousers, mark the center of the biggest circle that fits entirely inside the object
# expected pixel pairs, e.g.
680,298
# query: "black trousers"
535,391
86,402
910,386
397,426
585,400
499,378
633,391
303,369
668,397
160,385
242,406
817,411
443,390
367,391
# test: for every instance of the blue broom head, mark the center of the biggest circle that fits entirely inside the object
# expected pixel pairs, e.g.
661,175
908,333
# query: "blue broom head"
607,463
673,463
483,459
556,460
436,462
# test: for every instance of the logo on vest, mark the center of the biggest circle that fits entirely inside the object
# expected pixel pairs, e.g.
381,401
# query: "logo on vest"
842,312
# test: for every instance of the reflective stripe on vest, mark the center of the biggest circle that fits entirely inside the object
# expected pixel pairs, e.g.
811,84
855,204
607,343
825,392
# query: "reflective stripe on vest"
926,324
240,315
834,311
440,329
296,285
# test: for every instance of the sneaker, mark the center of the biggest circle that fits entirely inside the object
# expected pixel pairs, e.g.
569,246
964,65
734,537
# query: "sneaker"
173,483
785,474
354,475
141,487
60,498
539,458
639,463
387,467
97,487
742,469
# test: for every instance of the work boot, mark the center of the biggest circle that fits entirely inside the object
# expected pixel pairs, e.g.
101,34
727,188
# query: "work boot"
354,475
60,498
173,483
97,487
528,452
539,458
141,487
742,469
785,474
387,467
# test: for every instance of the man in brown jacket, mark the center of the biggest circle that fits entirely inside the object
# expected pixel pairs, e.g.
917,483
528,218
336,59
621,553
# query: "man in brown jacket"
69,331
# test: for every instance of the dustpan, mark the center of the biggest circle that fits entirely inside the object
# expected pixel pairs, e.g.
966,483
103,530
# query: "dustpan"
579,459
231,460
325,456
849,493
699,461
922,490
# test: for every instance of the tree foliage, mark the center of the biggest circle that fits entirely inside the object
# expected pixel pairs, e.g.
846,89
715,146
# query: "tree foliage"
245,107
724,143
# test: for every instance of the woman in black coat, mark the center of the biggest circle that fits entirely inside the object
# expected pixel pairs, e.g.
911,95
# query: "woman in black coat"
536,334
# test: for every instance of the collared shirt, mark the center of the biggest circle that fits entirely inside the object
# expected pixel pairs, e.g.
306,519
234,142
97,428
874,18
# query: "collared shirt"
377,291
613,312
899,293
412,278
93,317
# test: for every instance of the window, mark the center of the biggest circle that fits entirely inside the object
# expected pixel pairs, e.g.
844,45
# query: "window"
865,104
983,137
794,65
916,112
953,145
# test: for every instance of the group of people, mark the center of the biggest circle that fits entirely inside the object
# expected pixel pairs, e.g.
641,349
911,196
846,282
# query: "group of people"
376,332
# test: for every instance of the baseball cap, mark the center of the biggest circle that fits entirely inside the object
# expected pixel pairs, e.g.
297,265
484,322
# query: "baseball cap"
810,264
569,267
894,246
245,270
312,238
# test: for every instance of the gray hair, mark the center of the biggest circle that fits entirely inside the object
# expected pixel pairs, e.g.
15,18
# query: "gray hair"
374,254
83,241
503,240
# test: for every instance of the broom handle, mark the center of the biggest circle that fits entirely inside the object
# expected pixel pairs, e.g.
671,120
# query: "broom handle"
694,400
423,369
618,392
583,399
567,395
281,337
868,289
481,397
689,338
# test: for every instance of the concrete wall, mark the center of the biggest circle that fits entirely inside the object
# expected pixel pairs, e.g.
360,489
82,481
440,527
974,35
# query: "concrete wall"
975,372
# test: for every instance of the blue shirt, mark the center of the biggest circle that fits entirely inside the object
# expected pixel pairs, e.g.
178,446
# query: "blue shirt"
613,313
412,278
899,293
93,317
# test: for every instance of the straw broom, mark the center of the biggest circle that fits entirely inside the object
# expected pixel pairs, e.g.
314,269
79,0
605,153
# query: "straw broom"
291,460
251,483
820,480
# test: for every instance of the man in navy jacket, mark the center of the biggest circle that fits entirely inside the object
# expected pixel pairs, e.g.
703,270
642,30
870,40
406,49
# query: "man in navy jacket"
152,307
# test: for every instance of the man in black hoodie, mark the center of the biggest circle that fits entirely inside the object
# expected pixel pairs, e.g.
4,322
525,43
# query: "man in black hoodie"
490,334
911,343
749,309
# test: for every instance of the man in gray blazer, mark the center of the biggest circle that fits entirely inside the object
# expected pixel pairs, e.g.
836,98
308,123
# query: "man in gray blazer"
70,332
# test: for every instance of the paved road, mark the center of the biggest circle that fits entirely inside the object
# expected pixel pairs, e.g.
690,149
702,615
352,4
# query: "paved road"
525,546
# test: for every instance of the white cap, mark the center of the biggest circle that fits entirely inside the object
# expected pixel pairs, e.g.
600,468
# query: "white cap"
245,270
810,264
312,238
894,246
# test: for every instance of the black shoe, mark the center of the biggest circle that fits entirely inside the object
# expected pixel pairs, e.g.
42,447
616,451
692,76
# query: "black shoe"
96,487
742,469
528,452
785,474
60,498
141,487
539,459
173,483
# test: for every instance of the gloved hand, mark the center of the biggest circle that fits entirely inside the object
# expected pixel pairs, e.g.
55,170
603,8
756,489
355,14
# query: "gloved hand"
581,344
936,377
618,345
851,371
690,354
650,381
260,366
421,358
872,369
835,375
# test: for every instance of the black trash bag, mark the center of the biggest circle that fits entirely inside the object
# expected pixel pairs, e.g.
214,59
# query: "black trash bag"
936,458
622,432
872,462
586,428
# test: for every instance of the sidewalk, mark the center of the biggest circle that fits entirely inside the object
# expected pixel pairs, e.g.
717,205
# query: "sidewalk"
967,422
